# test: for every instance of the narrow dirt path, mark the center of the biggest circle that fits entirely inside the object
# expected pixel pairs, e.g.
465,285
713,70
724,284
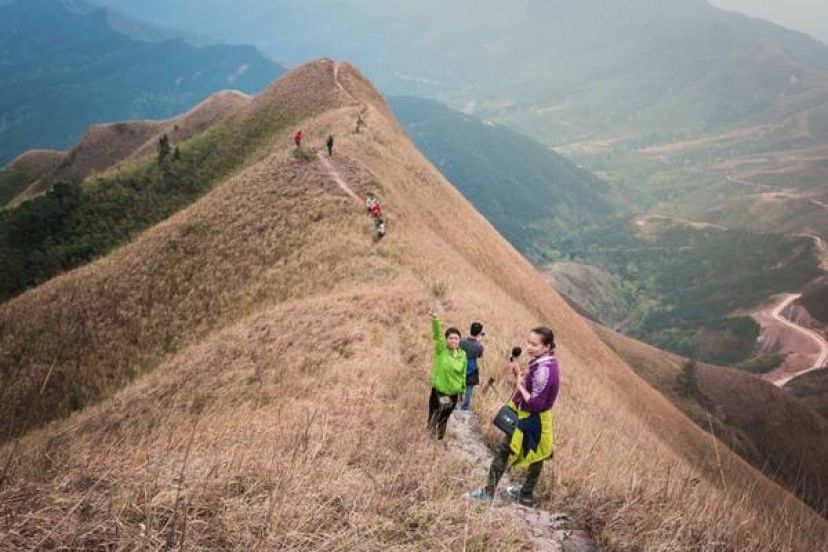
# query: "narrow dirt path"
329,167
336,79
334,174
822,250
743,182
550,532
822,358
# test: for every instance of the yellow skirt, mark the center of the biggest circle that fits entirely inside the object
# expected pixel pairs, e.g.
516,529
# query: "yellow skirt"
545,447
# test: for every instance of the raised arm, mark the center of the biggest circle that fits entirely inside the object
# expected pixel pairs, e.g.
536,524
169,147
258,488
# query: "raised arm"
437,334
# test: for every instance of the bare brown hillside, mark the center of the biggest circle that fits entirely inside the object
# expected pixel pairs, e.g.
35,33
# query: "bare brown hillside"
252,373
766,425
105,146
27,168
101,147
209,112
38,160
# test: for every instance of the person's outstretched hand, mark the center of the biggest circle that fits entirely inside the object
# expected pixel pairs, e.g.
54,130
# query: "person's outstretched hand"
434,311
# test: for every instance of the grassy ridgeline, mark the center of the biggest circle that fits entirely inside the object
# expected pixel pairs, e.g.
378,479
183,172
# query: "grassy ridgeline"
75,223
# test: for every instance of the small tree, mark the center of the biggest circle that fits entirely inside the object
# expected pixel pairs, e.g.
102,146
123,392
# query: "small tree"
686,379
176,154
163,148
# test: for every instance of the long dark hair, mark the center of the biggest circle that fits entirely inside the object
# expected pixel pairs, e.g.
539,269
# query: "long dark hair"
547,337
516,351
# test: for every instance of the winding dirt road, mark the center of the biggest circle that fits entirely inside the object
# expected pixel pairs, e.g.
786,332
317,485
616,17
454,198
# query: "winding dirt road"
786,300
822,357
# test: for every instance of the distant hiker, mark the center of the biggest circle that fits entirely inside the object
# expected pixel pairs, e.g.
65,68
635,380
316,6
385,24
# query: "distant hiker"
474,351
380,228
448,376
370,202
297,139
360,122
329,144
532,440
376,210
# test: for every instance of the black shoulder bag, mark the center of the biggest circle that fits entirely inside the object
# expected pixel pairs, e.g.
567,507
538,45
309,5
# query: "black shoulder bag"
506,420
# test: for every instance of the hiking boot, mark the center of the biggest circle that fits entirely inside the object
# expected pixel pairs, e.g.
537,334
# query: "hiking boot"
480,495
528,501
515,492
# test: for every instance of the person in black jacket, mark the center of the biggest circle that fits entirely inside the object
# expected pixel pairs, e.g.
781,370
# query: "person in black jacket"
474,351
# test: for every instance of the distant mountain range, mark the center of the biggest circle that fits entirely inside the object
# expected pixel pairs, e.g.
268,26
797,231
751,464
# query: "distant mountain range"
656,97
565,70
66,64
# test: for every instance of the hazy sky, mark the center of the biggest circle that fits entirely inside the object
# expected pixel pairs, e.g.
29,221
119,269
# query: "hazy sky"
810,16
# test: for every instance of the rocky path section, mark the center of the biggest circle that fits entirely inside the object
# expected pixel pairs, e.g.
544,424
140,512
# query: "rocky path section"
550,532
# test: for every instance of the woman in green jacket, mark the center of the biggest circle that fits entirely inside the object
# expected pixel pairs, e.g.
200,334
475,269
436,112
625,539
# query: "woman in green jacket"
448,376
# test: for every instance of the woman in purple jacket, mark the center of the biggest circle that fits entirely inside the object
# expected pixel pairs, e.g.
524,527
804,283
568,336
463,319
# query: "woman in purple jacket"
532,441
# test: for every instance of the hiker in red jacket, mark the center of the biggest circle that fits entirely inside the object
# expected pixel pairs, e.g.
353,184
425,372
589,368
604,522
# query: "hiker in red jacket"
376,210
297,139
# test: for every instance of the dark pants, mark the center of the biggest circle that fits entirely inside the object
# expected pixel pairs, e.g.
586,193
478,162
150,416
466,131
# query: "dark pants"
499,463
438,419
467,396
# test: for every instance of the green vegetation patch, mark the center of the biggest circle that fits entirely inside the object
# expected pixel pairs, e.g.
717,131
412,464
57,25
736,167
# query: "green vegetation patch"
13,180
75,223
697,278
762,364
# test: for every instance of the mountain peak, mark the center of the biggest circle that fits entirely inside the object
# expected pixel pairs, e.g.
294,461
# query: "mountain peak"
321,84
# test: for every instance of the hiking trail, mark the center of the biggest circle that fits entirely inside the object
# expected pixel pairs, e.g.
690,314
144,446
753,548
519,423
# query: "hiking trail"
329,167
336,79
333,173
549,532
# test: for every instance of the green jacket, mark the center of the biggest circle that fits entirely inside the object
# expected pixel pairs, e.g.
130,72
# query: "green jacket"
448,369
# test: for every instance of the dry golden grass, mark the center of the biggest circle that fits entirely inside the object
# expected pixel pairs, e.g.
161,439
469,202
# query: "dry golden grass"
285,361
767,426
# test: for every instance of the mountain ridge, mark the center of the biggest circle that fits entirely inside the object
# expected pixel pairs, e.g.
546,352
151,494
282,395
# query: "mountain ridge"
237,307
106,145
